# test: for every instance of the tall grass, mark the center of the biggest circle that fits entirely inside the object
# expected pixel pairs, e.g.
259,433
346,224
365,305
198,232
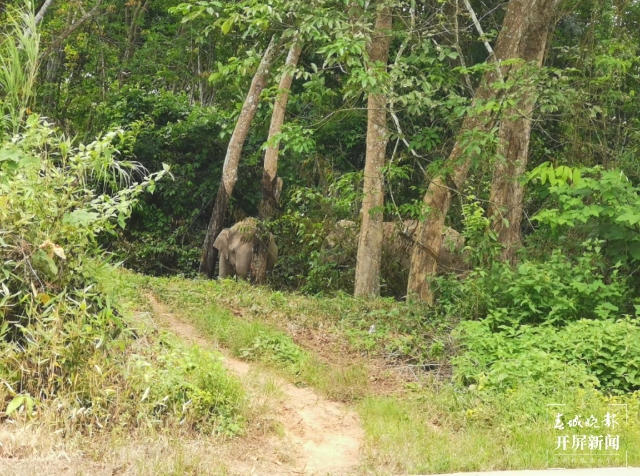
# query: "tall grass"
19,50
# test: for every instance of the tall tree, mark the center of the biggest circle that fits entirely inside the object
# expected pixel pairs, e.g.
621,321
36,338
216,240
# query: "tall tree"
232,158
507,190
271,183
514,41
367,282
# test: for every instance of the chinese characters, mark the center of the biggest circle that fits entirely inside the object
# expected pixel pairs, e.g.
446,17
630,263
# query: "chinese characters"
607,441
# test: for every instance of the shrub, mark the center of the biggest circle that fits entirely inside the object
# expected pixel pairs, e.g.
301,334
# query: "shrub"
594,203
557,291
166,229
600,353
62,345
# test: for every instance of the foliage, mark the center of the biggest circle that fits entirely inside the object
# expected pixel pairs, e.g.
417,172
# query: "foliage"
602,353
177,73
302,229
549,324
19,48
280,348
480,241
557,291
165,230
50,217
595,203
63,344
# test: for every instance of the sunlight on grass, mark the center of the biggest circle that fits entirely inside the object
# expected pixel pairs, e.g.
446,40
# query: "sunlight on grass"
429,428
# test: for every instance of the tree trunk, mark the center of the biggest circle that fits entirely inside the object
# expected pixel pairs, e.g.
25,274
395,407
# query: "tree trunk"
512,43
138,9
271,184
232,159
367,282
507,191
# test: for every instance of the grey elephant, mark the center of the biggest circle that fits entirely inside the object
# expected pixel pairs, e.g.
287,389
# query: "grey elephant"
340,246
235,249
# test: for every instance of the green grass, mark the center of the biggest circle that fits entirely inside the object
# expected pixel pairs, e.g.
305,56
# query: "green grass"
90,365
423,428
249,339
448,430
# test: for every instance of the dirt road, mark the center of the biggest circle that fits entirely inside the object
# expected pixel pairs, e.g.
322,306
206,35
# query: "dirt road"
324,436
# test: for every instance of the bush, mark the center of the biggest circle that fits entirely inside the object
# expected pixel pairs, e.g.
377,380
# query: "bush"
557,291
585,353
593,203
551,325
63,348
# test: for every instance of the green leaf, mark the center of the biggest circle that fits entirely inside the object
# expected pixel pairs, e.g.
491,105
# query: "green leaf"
41,262
576,176
79,218
226,26
15,404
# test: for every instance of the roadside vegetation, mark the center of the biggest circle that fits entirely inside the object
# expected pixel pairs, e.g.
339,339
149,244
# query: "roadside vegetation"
420,413
122,127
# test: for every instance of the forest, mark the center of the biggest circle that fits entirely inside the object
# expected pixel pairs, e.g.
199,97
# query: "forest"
421,214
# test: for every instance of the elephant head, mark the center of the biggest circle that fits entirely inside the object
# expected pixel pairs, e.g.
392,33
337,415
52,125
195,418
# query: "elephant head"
235,249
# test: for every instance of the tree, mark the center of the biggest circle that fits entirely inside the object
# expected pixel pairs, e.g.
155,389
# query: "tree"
367,282
507,190
72,28
513,42
232,158
271,183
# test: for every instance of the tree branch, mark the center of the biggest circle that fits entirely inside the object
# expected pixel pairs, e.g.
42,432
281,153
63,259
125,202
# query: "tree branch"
43,10
69,31
476,22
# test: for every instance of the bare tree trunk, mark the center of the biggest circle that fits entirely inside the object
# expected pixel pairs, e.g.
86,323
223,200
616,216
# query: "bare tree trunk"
271,183
511,43
232,159
367,282
507,191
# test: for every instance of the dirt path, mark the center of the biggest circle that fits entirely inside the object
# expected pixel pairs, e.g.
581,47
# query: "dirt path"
320,437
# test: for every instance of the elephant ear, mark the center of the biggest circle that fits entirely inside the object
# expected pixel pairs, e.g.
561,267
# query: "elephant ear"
222,243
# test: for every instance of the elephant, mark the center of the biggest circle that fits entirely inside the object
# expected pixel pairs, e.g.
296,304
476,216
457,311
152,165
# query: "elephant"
340,246
235,249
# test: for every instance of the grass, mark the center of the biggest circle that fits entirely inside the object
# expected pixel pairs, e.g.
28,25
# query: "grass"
444,431
255,340
426,427
89,365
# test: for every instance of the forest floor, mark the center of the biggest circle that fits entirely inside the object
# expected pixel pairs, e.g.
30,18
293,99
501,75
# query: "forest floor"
318,401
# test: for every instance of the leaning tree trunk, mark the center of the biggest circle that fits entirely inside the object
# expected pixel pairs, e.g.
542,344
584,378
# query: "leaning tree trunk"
271,183
512,43
367,282
232,159
507,190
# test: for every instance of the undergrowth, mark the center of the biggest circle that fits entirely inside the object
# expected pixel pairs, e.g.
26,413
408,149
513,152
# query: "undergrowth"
68,356
254,340
494,413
